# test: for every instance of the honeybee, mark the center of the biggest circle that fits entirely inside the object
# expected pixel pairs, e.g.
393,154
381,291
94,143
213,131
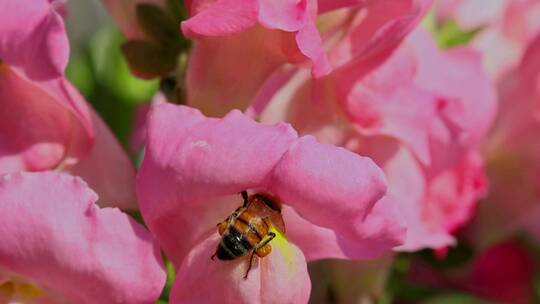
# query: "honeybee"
248,229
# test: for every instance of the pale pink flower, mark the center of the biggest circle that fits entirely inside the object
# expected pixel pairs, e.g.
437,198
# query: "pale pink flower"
507,27
58,246
45,123
193,170
243,42
420,115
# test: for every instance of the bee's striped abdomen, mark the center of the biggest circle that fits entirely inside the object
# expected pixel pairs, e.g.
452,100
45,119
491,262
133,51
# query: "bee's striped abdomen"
241,236
233,245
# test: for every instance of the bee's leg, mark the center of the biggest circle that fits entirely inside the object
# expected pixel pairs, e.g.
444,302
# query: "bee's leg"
263,251
251,260
245,198
263,248
213,255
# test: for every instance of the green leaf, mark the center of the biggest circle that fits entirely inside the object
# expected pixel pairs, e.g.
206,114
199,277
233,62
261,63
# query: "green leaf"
148,60
79,72
450,35
456,256
112,71
115,92
171,275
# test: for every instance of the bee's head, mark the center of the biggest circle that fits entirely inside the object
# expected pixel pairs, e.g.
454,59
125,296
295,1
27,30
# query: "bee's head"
270,200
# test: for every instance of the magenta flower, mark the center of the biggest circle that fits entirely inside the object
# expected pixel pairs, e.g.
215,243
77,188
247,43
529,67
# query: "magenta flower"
190,179
59,247
45,123
504,273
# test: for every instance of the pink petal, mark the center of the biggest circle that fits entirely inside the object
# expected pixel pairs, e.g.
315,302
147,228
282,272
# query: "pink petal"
331,187
54,235
107,169
220,18
500,54
286,15
376,104
280,277
265,37
40,47
382,229
529,68
453,194
40,126
137,140
470,105
407,189
48,125
330,5
191,160
310,44
444,117
233,83
505,38
375,31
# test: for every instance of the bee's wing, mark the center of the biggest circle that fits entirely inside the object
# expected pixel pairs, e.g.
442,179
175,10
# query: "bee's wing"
261,209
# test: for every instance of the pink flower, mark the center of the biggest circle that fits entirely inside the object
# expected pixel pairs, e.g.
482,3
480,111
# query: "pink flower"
244,42
58,246
45,123
293,20
420,115
507,26
190,179
434,205
513,155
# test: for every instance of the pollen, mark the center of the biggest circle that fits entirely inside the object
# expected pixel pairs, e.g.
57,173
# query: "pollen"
281,243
